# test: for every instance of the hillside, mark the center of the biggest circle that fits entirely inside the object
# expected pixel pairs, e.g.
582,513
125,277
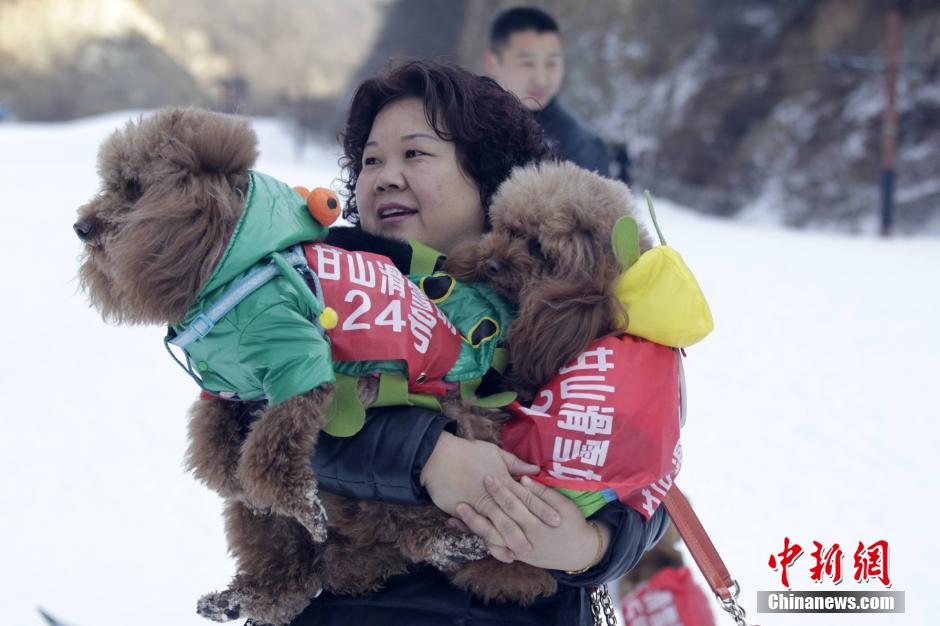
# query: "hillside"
62,59
757,109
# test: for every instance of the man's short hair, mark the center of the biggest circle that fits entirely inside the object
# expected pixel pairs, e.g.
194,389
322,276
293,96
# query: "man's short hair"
517,20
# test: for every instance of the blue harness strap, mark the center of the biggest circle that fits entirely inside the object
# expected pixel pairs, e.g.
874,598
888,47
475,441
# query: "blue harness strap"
203,323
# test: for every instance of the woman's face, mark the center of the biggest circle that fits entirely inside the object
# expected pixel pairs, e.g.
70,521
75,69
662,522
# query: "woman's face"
411,185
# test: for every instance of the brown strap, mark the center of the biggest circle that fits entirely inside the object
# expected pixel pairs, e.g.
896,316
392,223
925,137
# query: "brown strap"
699,544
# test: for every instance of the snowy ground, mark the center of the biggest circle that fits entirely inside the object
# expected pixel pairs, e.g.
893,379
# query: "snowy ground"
811,414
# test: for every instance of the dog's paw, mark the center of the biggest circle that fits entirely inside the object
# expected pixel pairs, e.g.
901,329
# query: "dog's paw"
221,606
504,582
450,550
313,516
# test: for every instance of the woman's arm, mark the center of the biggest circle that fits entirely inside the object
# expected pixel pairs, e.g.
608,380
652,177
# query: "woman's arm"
608,545
406,455
384,460
455,471
631,536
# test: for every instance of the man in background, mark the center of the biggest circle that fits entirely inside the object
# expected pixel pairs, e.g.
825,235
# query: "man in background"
525,57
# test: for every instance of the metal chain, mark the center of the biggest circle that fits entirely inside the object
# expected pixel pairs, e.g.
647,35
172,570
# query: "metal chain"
602,608
732,607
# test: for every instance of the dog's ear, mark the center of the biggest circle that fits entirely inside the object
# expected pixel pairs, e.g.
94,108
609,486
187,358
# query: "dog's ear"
227,146
171,242
202,143
556,322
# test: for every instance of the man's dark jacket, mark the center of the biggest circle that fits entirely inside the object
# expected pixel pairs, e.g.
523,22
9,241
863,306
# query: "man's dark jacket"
572,138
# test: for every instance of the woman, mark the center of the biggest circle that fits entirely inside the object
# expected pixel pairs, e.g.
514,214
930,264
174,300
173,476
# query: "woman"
426,145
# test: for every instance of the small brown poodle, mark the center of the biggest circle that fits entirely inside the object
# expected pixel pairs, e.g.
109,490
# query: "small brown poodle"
173,190
549,253
174,187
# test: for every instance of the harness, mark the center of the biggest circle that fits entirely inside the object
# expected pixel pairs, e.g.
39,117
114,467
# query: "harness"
292,266
346,413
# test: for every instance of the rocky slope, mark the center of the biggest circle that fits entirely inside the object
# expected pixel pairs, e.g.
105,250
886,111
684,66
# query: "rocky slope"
753,108
758,107
61,59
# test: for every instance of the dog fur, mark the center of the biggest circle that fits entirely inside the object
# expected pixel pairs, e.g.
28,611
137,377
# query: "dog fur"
549,252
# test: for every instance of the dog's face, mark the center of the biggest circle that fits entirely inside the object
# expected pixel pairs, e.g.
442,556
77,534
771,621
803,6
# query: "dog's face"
172,188
550,222
550,253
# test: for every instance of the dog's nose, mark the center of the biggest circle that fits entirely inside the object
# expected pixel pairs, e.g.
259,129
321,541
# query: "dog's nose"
85,228
492,267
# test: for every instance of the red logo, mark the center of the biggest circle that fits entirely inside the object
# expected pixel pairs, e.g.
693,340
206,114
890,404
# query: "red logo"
788,555
828,564
871,562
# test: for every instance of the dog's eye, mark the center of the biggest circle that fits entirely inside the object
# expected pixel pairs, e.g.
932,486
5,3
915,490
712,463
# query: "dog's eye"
132,190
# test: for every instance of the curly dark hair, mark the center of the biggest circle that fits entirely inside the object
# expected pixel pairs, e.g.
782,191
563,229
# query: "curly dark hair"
492,130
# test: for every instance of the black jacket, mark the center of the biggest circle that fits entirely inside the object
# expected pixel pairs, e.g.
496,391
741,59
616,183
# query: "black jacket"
384,462
572,139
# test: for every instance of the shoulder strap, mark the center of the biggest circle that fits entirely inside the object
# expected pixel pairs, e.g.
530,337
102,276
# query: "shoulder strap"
706,556
699,543
203,323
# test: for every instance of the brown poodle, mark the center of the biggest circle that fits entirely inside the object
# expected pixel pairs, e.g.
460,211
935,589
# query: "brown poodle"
173,190
549,253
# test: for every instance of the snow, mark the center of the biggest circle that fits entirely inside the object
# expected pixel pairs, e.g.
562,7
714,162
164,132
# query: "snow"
690,76
795,115
929,93
763,19
864,102
920,190
811,414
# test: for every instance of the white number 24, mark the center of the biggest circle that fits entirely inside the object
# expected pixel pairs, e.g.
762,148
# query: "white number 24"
390,315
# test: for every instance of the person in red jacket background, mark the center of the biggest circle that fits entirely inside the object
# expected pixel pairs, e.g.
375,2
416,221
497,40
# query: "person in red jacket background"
660,589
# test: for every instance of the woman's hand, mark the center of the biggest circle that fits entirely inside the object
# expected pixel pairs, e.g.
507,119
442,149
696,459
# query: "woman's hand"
454,473
512,532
